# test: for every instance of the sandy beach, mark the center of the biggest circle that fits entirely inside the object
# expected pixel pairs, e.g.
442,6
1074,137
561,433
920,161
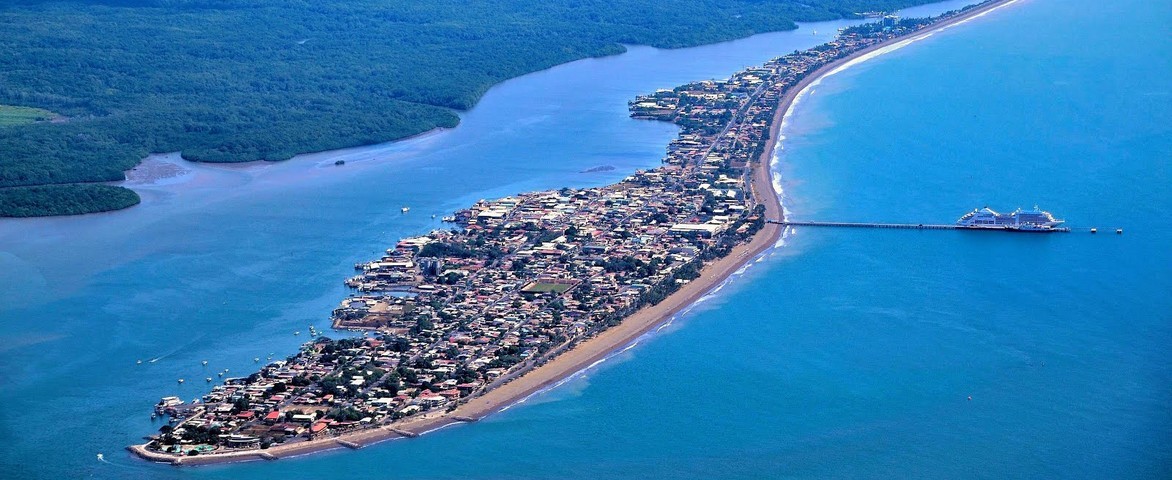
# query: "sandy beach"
601,346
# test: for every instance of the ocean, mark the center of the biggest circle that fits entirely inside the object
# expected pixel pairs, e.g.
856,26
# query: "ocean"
843,353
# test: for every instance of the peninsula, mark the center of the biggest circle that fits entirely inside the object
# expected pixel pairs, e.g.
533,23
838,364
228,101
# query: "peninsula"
528,289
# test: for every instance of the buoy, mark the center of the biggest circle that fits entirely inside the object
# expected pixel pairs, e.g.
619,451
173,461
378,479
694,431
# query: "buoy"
1119,231
1094,230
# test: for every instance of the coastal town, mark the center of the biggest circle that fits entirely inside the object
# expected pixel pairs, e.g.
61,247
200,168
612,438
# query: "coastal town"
449,316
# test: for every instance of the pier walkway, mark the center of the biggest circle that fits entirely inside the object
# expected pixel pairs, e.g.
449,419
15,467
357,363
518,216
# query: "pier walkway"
906,226
916,226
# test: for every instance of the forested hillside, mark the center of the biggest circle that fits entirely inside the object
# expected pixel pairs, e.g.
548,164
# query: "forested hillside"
242,80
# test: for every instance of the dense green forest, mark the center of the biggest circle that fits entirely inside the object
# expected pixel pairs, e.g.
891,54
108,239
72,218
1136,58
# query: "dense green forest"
242,80
73,199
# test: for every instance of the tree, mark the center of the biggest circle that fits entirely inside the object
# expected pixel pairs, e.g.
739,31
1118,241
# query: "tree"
422,323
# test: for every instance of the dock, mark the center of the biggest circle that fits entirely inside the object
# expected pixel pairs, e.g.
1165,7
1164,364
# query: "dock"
913,226
905,226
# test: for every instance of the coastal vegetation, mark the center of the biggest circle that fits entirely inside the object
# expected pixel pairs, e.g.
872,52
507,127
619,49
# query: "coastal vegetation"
243,80
75,199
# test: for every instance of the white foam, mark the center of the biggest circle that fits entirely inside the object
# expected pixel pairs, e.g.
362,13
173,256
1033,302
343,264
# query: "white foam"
576,375
381,440
441,427
335,446
896,46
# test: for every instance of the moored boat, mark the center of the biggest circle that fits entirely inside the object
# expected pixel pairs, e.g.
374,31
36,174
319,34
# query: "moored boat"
1035,220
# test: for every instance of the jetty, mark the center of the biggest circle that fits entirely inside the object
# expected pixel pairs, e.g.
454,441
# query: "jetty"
911,226
914,226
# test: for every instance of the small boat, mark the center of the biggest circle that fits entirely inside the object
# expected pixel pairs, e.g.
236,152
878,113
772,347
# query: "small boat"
405,209
180,380
205,363
138,362
208,379
297,332
255,359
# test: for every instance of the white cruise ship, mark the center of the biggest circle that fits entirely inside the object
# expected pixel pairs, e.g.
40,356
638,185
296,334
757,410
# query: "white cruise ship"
1020,220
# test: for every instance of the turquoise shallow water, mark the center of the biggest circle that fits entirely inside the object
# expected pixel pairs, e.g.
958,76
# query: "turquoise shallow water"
843,354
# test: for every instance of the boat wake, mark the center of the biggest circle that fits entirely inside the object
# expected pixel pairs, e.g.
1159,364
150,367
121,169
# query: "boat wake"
102,459
175,350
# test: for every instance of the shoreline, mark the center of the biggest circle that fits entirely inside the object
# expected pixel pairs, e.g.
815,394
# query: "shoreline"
146,173
593,350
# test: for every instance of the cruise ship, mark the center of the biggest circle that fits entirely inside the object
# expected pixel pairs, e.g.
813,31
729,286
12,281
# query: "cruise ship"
1020,220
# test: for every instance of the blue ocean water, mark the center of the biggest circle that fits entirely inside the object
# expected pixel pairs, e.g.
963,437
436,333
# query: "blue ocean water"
845,353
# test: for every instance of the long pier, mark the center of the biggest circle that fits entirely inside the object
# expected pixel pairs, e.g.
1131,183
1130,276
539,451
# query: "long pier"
911,226
915,226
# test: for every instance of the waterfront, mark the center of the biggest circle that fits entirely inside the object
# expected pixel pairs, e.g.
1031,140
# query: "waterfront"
812,391
532,287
